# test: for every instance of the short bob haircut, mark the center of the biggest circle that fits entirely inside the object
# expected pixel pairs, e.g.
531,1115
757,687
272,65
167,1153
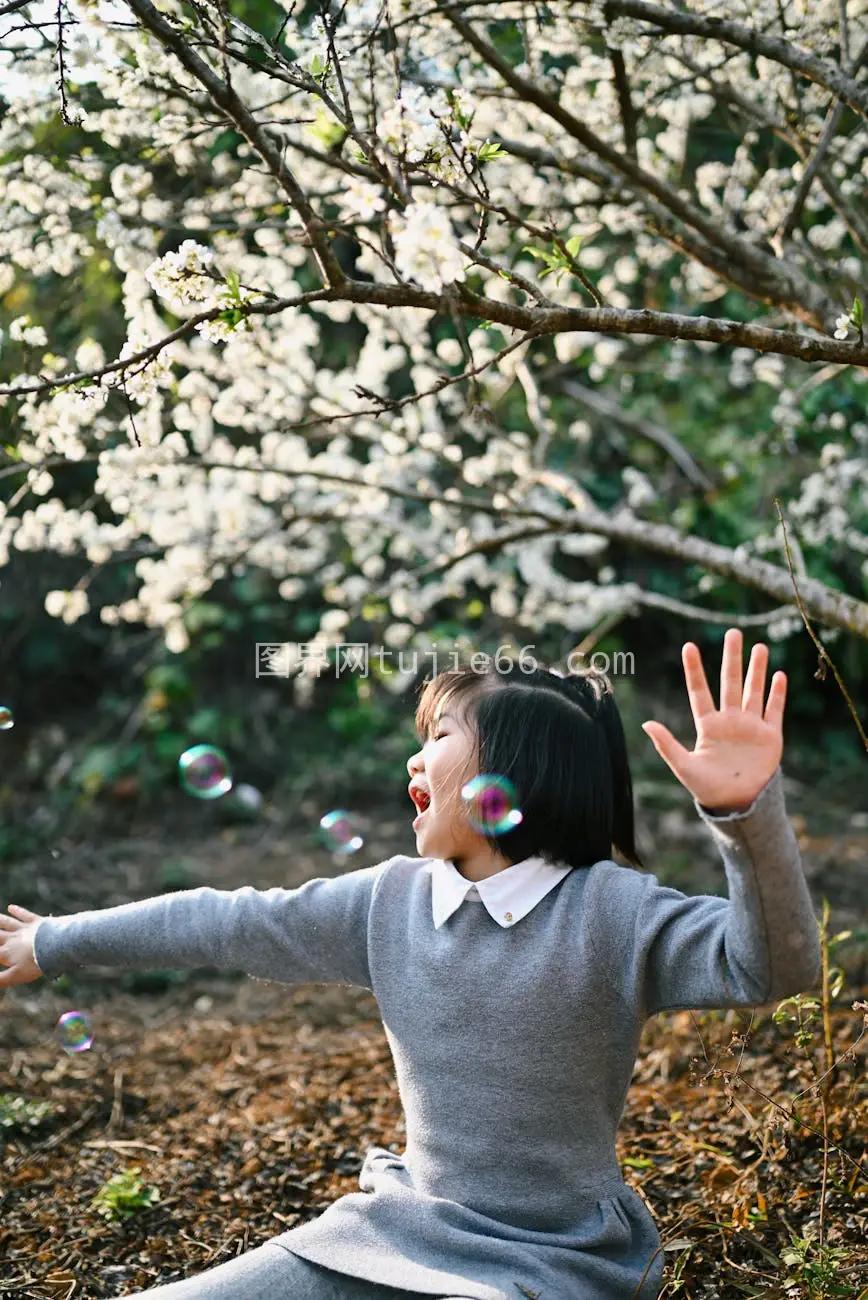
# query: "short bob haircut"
560,741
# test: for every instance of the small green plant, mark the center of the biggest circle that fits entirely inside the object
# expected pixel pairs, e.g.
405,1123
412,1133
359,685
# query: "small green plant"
123,1194
17,1112
804,1011
813,1268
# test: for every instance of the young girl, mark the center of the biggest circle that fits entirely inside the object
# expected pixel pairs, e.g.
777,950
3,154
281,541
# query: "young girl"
513,973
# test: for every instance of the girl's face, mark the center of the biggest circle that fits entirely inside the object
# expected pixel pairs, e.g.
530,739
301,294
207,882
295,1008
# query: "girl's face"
438,771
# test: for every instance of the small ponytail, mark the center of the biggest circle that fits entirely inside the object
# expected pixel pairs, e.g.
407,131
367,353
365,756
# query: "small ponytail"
596,695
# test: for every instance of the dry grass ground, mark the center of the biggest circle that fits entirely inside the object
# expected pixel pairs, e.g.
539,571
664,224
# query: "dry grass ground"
249,1106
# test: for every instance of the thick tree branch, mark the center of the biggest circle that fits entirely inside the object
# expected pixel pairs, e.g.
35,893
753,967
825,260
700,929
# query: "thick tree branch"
834,608
634,596
680,23
532,321
792,288
225,98
829,606
654,600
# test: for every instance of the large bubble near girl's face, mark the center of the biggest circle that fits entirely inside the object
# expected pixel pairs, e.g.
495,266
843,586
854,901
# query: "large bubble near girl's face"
204,772
491,804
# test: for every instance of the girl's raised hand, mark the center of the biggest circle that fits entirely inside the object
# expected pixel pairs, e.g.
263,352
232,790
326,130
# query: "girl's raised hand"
738,746
17,931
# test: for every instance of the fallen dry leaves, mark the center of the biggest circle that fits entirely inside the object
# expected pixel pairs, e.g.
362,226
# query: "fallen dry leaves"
249,1129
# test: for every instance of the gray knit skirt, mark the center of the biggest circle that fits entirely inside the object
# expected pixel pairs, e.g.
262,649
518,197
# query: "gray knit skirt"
271,1273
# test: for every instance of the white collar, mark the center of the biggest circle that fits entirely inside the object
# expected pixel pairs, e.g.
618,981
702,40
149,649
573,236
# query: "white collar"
508,895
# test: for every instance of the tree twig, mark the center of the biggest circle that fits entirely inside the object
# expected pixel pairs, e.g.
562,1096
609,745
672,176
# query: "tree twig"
824,657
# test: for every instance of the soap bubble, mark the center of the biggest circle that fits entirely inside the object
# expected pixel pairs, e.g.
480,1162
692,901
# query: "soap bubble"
244,804
341,832
491,803
7,722
204,772
247,798
74,1031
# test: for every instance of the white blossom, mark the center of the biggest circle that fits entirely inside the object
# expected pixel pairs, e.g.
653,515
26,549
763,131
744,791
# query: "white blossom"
22,330
67,605
181,277
425,246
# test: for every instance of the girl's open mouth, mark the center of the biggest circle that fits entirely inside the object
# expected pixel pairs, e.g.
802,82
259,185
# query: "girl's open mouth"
422,799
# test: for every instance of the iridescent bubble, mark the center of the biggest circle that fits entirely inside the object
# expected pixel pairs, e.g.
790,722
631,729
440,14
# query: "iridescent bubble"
248,799
204,772
492,804
7,722
341,832
74,1031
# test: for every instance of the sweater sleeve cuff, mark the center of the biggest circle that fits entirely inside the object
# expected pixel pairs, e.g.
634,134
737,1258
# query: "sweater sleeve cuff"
40,941
39,926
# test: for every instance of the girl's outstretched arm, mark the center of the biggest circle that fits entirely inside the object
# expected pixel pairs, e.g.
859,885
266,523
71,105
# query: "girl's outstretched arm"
316,933
667,950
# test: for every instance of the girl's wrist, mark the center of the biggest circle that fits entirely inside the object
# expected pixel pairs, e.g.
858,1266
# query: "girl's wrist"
726,810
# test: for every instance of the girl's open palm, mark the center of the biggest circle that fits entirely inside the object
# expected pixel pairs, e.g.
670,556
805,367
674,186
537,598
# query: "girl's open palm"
738,746
17,962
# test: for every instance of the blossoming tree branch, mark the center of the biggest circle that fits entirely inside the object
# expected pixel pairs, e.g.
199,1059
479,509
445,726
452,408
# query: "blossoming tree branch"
389,276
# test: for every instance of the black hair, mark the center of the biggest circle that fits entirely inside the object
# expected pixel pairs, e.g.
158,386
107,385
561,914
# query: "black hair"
560,742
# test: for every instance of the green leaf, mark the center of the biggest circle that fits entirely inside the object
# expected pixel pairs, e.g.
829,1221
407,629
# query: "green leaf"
234,285
487,151
232,316
856,313
573,245
327,131
317,67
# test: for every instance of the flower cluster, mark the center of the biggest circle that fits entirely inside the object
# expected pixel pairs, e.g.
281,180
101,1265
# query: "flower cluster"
182,278
426,249
22,330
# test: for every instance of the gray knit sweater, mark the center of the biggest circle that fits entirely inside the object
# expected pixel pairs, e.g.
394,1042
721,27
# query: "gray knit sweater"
513,1048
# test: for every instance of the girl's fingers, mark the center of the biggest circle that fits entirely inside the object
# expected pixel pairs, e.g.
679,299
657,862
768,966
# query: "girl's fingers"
774,713
21,911
730,670
670,750
698,693
755,681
